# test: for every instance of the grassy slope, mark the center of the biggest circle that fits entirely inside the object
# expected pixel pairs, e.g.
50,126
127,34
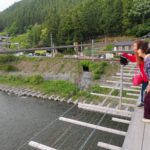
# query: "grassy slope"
55,65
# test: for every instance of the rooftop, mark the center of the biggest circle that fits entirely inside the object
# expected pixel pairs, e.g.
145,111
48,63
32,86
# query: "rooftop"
124,43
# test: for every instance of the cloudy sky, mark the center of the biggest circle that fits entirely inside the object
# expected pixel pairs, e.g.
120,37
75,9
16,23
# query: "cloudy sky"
6,3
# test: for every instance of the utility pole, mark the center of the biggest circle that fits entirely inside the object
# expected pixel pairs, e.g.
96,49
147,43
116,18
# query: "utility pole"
51,39
121,87
7,42
52,45
92,50
81,49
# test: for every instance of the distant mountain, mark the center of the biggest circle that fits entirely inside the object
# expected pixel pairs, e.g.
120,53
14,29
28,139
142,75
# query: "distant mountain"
75,20
29,12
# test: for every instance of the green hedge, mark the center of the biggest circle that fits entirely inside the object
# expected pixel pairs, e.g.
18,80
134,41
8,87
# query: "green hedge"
96,68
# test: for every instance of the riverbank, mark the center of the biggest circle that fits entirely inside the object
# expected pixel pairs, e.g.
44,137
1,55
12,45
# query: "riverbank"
34,74
35,86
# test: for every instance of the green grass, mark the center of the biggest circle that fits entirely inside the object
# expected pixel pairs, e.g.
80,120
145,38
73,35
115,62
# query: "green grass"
61,88
98,89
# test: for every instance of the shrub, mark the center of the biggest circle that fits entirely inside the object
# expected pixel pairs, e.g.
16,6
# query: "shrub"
8,68
35,79
7,58
108,47
96,68
85,65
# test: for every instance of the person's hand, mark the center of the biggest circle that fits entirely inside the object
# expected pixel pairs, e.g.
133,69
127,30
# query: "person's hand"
123,61
148,88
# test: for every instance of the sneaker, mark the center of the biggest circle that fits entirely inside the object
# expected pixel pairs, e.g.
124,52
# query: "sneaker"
141,105
146,120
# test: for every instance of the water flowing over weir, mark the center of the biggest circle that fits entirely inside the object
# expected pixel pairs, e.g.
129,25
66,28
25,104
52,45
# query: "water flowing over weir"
28,119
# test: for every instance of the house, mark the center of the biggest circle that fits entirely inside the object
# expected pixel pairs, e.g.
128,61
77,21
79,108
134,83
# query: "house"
2,38
123,46
147,35
4,41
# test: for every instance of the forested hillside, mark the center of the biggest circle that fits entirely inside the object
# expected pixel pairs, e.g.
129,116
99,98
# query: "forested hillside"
75,20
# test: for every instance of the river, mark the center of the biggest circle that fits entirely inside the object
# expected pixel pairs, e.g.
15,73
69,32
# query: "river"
25,119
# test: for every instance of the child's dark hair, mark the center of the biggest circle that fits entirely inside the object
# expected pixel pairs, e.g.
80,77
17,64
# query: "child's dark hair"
148,51
139,43
144,47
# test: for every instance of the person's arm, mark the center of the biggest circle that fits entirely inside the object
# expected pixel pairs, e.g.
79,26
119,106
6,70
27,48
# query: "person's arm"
130,57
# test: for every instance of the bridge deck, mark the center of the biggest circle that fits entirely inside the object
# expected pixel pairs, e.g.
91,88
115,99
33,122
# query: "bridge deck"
138,133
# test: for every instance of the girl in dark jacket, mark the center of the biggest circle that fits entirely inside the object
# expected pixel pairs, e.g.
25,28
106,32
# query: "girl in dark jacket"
145,54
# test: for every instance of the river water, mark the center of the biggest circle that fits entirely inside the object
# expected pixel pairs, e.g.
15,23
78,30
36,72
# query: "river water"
26,119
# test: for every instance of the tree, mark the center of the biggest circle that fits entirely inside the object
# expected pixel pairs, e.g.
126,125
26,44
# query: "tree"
111,17
126,20
140,10
35,34
12,30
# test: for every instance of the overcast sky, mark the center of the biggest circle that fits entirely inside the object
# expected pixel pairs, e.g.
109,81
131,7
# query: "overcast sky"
6,3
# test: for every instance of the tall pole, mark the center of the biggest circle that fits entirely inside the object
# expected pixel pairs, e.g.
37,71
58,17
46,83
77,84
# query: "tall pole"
92,50
7,45
51,39
81,49
121,87
52,45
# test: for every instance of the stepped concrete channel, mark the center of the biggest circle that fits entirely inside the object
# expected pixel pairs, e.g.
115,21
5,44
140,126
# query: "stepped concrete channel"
29,122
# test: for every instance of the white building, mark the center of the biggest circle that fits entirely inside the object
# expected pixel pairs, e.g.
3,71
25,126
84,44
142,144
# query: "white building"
123,46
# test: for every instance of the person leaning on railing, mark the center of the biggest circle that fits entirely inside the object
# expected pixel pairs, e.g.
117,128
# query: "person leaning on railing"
140,63
144,53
